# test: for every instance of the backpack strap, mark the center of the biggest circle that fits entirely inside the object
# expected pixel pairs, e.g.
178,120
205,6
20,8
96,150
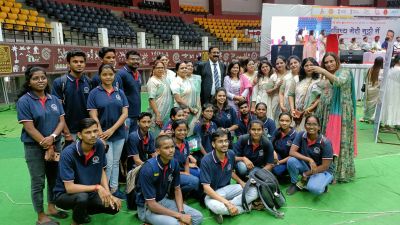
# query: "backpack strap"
244,201
63,85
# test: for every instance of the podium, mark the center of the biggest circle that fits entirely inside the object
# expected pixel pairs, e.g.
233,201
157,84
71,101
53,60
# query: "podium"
332,43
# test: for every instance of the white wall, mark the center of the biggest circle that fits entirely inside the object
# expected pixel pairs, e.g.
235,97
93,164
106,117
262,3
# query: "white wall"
361,2
289,2
203,3
326,2
242,6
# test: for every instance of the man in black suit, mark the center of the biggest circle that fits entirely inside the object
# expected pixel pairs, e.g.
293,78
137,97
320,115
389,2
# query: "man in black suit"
212,74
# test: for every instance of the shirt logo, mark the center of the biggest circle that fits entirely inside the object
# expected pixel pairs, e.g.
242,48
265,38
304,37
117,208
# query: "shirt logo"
289,143
229,167
86,90
54,107
95,159
228,116
156,174
170,177
317,150
118,97
261,153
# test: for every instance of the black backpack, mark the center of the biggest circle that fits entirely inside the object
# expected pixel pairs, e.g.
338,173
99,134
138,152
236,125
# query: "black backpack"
268,190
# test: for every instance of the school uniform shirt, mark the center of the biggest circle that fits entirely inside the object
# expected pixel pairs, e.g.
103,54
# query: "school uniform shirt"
74,99
109,108
181,154
259,155
243,124
225,118
156,180
116,83
44,113
269,127
216,173
75,166
131,84
143,146
318,150
204,133
167,126
282,143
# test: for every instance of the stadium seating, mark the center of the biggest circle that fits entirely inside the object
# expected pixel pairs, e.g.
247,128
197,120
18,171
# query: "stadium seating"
226,29
150,5
165,26
15,18
86,19
111,2
193,9
393,4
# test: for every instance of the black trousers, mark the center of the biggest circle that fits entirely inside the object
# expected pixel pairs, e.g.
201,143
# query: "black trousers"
82,205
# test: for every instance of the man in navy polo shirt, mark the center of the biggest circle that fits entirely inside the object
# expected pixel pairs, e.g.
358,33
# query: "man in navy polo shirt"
141,143
254,150
158,177
131,84
107,56
244,119
82,183
73,91
217,169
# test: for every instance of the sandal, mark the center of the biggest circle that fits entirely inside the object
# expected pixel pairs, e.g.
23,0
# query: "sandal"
51,222
59,215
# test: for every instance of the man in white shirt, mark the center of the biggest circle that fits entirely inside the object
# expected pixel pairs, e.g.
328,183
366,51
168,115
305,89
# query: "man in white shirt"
376,44
365,45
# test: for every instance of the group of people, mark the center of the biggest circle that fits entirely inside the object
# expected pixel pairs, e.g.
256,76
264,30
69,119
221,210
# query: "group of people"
312,44
365,45
293,117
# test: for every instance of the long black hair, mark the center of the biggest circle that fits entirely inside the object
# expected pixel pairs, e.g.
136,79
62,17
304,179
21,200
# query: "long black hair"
260,73
28,75
214,100
303,72
230,66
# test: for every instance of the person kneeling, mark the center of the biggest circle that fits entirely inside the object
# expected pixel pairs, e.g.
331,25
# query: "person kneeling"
158,177
253,151
311,158
217,169
82,183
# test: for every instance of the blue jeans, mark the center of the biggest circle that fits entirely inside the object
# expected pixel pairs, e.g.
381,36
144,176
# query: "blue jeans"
113,155
189,183
39,170
148,216
316,183
279,170
232,193
242,171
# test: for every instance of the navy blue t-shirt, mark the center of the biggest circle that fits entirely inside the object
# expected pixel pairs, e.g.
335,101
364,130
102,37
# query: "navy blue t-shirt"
213,172
137,144
45,117
109,108
225,118
156,180
181,154
132,88
318,150
74,99
243,125
269,127
259,155
205,134
74,167
282,143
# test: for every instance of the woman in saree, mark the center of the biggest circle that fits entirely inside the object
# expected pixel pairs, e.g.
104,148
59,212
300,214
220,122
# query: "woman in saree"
305,97
289,83
264,87
341,126
280,72
160,98
195,81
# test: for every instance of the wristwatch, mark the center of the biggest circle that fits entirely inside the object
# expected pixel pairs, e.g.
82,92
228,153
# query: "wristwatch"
182,212
54,136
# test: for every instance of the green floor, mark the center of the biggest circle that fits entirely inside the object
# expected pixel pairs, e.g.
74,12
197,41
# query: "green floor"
372,199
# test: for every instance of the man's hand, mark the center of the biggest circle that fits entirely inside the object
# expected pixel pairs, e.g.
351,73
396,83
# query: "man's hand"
248,163
233,211
105,196
186,219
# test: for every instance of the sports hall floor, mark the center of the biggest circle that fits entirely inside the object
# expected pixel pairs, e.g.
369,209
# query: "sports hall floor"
374,198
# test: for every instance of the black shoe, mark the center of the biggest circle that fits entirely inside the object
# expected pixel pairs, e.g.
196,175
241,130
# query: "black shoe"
292,189
219,218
